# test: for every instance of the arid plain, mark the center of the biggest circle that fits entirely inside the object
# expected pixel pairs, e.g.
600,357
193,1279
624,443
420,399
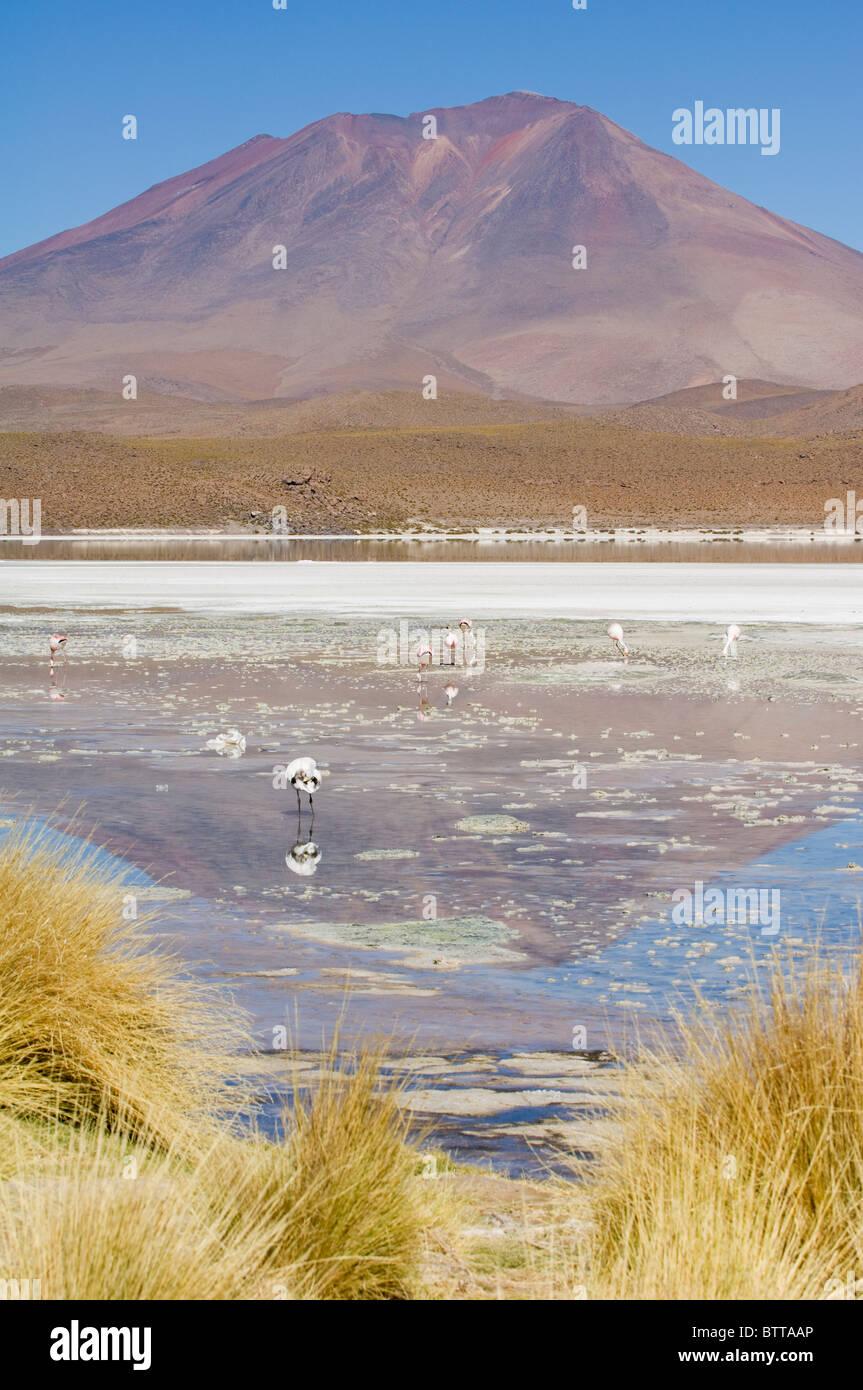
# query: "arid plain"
361,462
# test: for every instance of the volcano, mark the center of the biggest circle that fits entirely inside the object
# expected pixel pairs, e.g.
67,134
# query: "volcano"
359,254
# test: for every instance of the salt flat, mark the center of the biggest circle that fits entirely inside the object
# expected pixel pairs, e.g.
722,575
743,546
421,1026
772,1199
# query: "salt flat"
788,593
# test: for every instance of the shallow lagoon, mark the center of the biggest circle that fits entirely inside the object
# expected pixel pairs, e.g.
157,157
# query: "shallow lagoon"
485,942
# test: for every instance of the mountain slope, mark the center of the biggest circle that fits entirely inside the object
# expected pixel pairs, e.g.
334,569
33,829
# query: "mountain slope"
406,256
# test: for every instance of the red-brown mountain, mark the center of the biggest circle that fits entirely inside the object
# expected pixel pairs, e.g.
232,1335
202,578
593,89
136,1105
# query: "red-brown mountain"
453,255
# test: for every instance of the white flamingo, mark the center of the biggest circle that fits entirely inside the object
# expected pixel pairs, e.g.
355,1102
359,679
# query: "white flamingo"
424,659
450,692
451,642
615,632
229,745
732,637
56,648
304,775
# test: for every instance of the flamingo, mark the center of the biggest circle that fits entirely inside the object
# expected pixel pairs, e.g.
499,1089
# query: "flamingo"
615,632
451,641
304,775
732,637
466,627
56,645
450,692
229,745
424,657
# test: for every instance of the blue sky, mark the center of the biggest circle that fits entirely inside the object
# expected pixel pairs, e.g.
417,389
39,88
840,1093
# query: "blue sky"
202,77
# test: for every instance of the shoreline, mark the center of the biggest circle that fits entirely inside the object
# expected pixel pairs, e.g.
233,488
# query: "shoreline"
620,535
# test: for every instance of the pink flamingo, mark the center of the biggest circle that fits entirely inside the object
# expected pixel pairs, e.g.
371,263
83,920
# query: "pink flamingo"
466,626
732,637
451,642
424,658
615,632
56,647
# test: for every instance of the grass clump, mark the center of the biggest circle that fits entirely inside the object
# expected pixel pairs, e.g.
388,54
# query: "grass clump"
93,1020
740,1172
97,1220
346,1208
357,1204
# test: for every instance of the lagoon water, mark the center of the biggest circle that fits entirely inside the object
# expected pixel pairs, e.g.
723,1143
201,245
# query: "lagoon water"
426,921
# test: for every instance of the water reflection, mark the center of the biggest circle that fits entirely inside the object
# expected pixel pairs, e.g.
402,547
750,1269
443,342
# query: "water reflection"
268,549
304,856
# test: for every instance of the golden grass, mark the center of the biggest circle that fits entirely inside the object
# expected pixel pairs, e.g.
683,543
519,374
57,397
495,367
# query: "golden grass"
740,1172
93,1215
120,1182
93,1020
93,1220
346,1206
355,1203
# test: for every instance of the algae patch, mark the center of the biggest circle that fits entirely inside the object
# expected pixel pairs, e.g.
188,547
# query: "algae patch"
492,825
467,940
388,854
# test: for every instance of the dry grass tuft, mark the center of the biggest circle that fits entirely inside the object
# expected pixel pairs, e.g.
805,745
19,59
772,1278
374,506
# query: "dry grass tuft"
94,1021
740,1173
97,1218
348,1209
